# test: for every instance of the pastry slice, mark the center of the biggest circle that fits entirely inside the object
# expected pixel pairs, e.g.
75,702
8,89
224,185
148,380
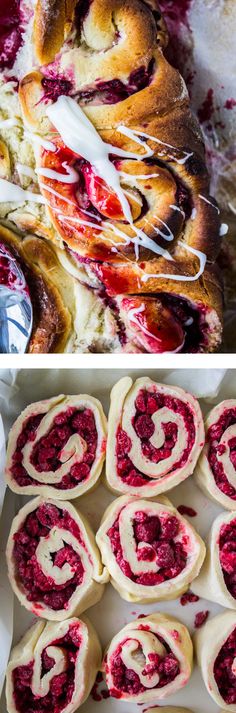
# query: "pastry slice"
57,447
149,659
217,578
150,551
155,436
54,565
215,473
53,667
216,653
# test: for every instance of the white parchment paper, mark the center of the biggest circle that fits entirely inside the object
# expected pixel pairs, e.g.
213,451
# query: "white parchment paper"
17,389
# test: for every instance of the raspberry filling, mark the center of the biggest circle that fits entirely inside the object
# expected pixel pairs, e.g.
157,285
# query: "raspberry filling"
38,587
46,453
215,433
157,535
61,685
125,680
10,273
225,670
227,550
147,403
114,90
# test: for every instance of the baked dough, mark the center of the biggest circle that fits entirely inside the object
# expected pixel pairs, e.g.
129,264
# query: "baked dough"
57,447
160,448
150,551
144,682
216,651
215,473
157,264
68,672
54,565
216,580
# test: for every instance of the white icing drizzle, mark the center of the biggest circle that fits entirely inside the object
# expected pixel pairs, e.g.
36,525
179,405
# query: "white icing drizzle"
132,134
132,315
232,207
55,193
10,193
48,145
25,170
169,236
183,278
193,214
8,87
176,207
203,198
79,134
223,229
8,123
141,177
71,176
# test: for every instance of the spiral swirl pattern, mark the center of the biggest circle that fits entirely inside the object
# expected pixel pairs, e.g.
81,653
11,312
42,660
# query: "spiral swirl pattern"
155,436
216,472
216,580
57,445
122,170
149,659
151,552
216,654
53,667
53,562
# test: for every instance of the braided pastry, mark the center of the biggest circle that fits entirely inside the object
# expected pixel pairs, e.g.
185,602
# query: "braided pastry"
155,436
53,562
149,659
150,551
216,581
215,473
120,164
53,667
216,654
57,446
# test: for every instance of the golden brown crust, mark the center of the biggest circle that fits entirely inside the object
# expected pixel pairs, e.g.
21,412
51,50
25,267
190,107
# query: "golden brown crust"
51,318
93,55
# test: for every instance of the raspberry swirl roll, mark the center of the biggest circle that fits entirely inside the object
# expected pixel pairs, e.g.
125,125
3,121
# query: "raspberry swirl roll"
54,565
150,551
53,667
57,447
149,659
155,435
123,172
215,473
217,579
216,653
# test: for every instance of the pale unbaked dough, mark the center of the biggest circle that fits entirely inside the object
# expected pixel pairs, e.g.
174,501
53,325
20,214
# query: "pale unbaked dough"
210,583
124,508
208,642
203,474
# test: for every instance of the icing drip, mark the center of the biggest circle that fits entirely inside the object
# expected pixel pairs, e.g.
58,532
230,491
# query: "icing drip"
10,193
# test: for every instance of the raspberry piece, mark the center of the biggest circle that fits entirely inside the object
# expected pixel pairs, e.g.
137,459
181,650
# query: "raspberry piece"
188,598
200,618
152,405
48,514
165,555
140,402
79,471
169,527
147,531
186,510
144,426
123,442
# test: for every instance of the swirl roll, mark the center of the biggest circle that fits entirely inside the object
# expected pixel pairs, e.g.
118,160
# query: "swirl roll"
149,659
217,578
155,436
216,474
54,565
53,667
57,447
216,654
150,551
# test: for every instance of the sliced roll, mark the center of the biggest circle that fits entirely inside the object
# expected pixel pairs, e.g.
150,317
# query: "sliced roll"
56,447
155,436
216,653
215,473
54,565
217,578
53,667
149,659
150,551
